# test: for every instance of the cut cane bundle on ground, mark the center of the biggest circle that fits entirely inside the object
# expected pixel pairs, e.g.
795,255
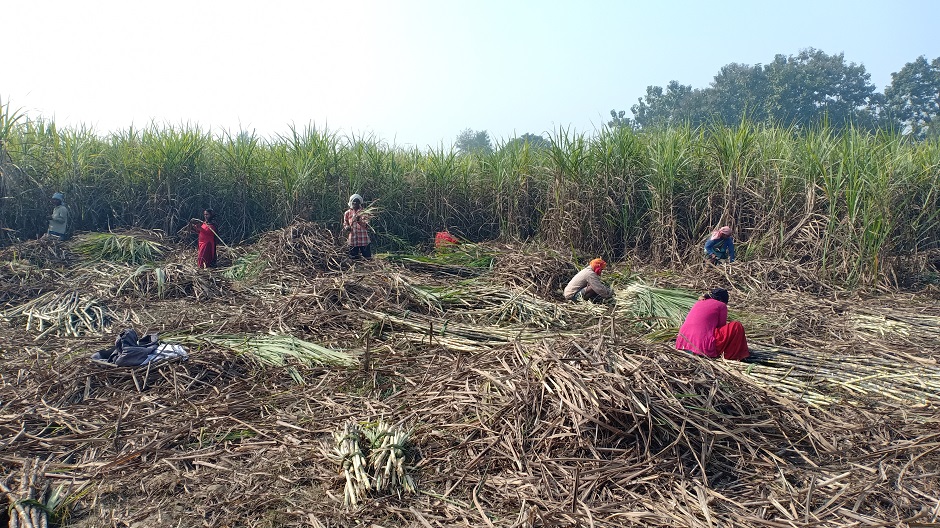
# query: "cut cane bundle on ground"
303,244
42,253
373,457
68,313
131,248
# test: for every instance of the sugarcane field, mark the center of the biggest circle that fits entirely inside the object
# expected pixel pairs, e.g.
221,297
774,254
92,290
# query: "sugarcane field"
322,331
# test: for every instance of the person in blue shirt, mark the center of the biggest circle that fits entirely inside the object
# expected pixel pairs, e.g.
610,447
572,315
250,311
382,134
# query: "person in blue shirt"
720,245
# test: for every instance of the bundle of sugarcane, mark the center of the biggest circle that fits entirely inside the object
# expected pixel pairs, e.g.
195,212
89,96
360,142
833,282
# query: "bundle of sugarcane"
304,243
653,307
824,379
643,306
435,328
35,504
44,253
389,458
68,313
463,260
895,323
480,303
376,449
453,343
171,280
348,453
245,268
466,254
273,350
128,248
431,297
432,266
502,306
543,273
370,213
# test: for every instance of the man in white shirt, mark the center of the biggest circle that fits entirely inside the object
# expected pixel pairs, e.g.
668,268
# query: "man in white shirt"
59,221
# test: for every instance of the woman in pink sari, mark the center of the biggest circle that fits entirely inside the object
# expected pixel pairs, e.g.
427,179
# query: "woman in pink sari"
707,331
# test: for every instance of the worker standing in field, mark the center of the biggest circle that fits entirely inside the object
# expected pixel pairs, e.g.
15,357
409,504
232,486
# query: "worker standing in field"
356,225
707,331
59,221
719,246
208,236
587,285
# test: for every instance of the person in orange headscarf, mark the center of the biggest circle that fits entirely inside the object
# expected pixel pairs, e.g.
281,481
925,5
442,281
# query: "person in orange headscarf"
587,284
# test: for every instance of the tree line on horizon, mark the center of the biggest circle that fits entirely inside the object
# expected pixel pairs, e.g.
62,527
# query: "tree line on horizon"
797,91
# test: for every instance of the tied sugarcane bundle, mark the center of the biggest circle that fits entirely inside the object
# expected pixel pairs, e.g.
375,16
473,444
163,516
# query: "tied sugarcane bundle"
273,350
67,313
349,455
373,457
389,457
127,248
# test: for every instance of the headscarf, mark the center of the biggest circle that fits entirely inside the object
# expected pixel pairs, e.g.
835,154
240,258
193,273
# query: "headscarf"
354,198
59,196
723,231
598,265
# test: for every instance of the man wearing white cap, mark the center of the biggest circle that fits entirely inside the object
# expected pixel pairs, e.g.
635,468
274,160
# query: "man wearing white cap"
59,221
356,224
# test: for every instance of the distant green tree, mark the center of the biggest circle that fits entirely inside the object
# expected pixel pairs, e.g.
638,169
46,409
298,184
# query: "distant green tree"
913,97
534,141
474,141
812,85
739,90
797,90
619,120
676,104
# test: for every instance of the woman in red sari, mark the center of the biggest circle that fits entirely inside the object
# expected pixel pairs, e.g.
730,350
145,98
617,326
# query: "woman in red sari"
207,229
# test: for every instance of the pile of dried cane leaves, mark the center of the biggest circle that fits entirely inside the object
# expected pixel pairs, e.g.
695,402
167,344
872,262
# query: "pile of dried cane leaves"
519,410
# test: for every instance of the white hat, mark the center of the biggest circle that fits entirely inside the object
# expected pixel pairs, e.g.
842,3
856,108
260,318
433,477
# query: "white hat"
353,198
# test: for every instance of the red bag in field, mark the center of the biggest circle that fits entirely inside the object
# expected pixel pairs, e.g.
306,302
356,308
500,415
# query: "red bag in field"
444,239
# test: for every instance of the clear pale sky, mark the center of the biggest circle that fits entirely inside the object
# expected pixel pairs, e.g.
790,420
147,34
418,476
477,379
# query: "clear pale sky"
413,72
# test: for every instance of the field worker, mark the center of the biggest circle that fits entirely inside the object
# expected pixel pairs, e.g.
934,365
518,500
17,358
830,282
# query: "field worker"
587,285
208,236
356,224
720,245
59,221
707,331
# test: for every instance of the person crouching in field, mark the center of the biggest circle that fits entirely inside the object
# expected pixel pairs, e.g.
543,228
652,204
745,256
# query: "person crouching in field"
720,245
207,229
356,223
587,284
707,331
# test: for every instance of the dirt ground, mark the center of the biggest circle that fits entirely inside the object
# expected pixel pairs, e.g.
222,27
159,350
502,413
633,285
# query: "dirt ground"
519,409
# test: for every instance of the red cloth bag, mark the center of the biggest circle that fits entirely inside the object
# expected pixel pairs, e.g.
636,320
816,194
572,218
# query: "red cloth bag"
444,239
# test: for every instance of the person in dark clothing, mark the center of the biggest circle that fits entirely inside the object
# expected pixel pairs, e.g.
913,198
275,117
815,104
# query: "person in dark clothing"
720,245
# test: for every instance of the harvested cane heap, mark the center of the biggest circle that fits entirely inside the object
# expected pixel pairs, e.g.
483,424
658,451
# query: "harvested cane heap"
451,390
